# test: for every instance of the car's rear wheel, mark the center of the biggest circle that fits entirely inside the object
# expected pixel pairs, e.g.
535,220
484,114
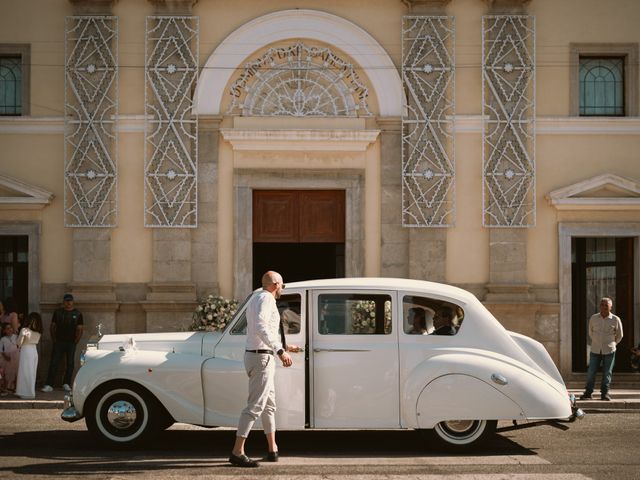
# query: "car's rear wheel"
462,435
121,414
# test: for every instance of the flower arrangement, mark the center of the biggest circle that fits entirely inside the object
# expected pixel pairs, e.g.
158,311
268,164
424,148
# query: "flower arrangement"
213,313
363,316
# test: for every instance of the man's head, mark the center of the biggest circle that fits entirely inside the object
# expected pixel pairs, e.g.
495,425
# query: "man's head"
606,304
67,301
7,330
417,319
443,318
272,282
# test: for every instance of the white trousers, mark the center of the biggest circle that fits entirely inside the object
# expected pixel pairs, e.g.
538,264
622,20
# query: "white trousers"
261,369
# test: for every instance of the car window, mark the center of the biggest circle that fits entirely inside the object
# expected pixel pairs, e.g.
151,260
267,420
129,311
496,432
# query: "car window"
289,308
354,314
430,316
240,328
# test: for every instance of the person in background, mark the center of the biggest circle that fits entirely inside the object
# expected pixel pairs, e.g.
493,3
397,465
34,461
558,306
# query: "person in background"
444,322
27,341
9,357
605,332
11,314
635,358
418,321
67,327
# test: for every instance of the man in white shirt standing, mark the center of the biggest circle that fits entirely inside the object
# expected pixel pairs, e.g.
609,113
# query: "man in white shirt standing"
605,332
263,343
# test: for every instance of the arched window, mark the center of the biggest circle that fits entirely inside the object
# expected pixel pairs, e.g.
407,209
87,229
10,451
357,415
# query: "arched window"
10,86
299,81
602,86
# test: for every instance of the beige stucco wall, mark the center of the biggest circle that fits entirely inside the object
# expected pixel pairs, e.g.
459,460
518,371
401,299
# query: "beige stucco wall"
35,155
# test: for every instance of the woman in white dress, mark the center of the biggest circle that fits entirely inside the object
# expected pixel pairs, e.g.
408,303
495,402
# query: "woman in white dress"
27,341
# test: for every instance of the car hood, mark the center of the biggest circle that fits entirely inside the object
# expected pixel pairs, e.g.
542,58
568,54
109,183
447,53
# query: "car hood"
177,342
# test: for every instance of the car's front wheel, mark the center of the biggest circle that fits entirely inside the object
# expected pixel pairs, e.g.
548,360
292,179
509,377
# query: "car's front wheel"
121,414
462,435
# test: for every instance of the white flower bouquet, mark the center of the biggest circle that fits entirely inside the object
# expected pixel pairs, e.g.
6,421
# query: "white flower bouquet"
213,313
363,317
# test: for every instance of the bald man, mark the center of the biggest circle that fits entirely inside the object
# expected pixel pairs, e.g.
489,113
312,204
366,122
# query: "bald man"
263,345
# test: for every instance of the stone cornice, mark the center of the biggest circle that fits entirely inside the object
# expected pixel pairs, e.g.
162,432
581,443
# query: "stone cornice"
507,6
29,196
431,6
173,7
297,140
462,124
92,7
624,194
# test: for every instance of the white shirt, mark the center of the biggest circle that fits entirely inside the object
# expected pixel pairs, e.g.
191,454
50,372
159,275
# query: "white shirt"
605,333
263,321
9,344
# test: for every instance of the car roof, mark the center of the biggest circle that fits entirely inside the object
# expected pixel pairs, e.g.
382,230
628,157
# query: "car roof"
384,283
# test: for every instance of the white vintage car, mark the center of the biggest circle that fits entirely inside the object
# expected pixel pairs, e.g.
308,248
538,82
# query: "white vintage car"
363,366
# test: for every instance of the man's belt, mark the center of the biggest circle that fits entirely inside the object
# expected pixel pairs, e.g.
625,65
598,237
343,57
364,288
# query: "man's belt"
269,352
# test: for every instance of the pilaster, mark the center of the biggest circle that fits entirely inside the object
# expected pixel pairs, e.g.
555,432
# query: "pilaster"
394,251
508,266
92,7
428,254
204,239
173,7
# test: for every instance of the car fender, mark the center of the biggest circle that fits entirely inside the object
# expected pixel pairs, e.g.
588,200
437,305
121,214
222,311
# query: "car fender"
173,378
472,386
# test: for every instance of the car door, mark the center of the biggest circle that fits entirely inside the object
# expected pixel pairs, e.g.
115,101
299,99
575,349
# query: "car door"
225,381
354,359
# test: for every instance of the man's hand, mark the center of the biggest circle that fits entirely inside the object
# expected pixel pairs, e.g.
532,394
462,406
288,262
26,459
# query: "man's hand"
293,348
286,359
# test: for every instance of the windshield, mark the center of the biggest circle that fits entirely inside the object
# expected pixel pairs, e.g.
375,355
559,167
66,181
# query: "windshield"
238,312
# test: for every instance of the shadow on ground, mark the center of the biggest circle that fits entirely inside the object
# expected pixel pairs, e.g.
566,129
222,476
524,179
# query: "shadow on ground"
74,453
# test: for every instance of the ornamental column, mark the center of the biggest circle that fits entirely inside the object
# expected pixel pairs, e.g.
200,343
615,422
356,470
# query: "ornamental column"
171,162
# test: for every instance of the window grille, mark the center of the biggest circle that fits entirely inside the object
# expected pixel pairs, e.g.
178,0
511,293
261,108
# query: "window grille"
91,109
428,158
171,130
10,85
508,129
602,86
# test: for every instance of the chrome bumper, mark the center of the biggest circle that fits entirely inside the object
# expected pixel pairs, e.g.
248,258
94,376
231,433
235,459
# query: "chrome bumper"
69,414
576,412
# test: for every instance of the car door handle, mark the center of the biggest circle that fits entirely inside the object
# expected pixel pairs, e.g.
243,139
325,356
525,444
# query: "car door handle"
317,350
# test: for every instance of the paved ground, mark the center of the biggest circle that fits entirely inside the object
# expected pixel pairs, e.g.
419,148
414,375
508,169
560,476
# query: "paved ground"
35,443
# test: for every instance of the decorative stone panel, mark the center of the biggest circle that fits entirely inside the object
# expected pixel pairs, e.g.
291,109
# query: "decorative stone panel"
508,92
91,107
171,136
428,163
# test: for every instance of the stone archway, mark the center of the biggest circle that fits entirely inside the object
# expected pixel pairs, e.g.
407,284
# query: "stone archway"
311,24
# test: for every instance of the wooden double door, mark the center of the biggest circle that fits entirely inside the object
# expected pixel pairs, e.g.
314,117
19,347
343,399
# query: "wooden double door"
299,233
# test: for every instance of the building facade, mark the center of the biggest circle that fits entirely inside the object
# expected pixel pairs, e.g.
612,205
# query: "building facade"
152,152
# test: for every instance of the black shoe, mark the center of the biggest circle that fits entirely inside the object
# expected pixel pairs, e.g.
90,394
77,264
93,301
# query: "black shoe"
242,461
272,457
605,397
586,396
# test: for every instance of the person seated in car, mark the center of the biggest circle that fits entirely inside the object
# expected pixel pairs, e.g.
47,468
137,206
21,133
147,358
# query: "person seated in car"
444,322
418,321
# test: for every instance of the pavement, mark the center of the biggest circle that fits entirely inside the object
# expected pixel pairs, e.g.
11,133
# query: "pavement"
622,400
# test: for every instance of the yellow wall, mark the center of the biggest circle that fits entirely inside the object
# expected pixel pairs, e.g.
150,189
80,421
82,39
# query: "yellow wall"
561,159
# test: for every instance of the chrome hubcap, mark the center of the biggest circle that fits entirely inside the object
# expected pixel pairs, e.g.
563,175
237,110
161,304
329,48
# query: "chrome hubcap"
121,414
459,426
